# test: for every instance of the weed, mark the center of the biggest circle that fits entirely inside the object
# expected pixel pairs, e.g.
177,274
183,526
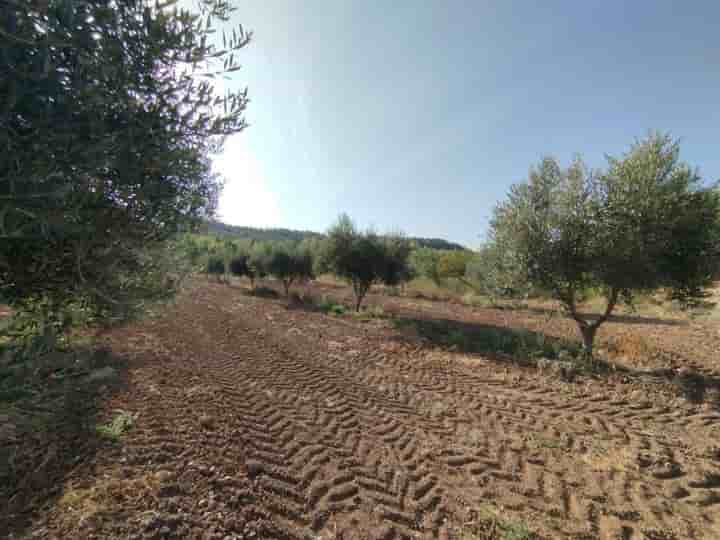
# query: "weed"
516,530
486,524
327,305
371,312
336,309
543,442
119,426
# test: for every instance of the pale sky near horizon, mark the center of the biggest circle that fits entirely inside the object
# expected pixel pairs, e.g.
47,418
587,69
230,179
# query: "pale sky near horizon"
419,115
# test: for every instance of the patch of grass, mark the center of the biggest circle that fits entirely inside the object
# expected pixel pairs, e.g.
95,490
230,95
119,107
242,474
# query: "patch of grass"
328,306
516,530
544,442
118,426
487,524
370,312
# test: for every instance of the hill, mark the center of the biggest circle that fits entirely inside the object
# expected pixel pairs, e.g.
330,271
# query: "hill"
281,234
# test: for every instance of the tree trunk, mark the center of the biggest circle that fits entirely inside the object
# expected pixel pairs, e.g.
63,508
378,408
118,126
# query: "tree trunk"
588,332
286,284
358,301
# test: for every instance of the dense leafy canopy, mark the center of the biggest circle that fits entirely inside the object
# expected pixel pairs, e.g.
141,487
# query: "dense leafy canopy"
107,120
289,264
365,258
644,223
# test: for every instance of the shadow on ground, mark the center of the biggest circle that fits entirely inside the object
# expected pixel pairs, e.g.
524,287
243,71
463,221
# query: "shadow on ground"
525,347
48,426
619,318
499,343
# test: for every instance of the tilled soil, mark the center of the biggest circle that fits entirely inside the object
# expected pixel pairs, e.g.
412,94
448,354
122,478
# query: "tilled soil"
259,421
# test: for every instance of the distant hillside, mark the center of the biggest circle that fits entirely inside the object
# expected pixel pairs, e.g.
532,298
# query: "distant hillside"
279,234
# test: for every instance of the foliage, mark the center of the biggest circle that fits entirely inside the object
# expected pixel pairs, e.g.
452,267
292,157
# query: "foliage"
452,264
118,426
108,117
289,264
424,263
644,223
288,235
327,305
441,266
239,266
496,270
397,251
259,235
365,258
215,266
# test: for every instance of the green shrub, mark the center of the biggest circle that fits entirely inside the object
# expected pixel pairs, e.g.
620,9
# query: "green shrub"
118,426
215,267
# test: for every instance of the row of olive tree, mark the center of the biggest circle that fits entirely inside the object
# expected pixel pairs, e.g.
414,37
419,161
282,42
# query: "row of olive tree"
361,258
288,262
645,222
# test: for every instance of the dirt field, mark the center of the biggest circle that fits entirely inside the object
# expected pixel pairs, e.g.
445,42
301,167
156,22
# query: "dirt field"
259,421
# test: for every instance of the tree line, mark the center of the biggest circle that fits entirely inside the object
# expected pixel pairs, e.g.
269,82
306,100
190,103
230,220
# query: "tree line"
279,234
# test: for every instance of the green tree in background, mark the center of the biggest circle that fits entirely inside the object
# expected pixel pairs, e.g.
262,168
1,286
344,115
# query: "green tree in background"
365,258
108,118
643,224
289,264
215,267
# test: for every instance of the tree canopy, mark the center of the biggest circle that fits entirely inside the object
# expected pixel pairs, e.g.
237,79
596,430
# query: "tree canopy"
108,118
644,223
364,258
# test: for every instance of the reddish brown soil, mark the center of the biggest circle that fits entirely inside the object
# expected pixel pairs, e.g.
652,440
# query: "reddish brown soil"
259,421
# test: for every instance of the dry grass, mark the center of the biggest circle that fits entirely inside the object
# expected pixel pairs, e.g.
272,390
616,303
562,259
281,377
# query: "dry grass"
110,492
610,459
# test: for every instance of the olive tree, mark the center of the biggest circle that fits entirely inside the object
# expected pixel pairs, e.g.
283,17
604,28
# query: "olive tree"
365,258
289,264
424,263
239,266
108,119
215,267
646,222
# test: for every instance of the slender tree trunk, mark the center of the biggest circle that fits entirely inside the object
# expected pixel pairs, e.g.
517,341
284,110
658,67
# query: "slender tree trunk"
588,332
359,291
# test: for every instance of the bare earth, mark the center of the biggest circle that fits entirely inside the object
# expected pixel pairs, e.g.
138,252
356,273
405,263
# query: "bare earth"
259,421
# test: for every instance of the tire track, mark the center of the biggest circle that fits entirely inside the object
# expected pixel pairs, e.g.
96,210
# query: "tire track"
395,445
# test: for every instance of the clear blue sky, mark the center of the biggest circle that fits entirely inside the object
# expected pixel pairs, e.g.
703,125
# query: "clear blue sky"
419,115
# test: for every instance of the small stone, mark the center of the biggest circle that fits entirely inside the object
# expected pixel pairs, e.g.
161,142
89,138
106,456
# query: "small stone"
206,421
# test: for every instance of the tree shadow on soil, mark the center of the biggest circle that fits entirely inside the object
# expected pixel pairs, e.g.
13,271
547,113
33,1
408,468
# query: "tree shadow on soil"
526,348
619,318
48,426
496,342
